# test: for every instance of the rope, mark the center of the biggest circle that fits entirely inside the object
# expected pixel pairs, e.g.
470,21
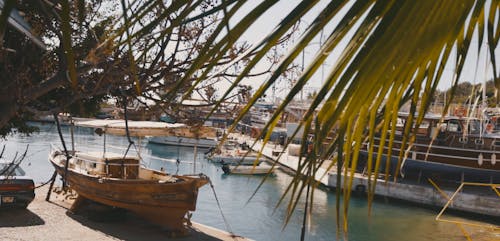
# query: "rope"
226,223
43,184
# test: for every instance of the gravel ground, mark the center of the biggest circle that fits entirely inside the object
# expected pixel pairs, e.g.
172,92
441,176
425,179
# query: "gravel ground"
52,221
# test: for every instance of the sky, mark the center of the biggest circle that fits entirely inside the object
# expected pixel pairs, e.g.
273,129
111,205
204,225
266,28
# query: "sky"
474,71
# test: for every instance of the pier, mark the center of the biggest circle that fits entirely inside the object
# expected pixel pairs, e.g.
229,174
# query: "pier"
477,203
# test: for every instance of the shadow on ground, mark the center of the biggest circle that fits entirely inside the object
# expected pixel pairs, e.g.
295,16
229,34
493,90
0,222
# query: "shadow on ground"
19,218
124,225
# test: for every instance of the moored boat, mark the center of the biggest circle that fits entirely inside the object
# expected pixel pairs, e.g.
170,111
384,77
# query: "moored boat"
235,159
233,153
184,141
458,149
235,156
247,170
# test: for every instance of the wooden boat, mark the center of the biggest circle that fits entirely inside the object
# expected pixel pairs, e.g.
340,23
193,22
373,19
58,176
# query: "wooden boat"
121,182
461,151
247,170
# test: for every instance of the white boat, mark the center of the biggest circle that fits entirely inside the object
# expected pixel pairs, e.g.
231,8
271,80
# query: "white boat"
184,141
247,170
235,159
234,154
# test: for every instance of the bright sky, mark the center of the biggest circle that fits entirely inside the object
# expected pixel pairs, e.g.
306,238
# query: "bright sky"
473,72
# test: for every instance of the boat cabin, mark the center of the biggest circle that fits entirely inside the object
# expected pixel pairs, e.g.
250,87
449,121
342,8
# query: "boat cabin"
116,166
450,124
112,165
453,131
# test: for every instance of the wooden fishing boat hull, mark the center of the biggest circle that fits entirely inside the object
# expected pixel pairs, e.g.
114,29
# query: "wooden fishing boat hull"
162,203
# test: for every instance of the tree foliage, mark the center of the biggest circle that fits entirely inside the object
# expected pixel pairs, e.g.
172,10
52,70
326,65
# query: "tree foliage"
100,49
466,92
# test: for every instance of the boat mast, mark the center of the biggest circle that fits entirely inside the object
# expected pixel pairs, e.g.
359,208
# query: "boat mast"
104,144
130,142
56,118
72,131
178,161
195,153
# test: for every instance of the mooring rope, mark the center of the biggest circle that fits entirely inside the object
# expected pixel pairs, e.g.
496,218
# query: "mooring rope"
43,184
226,223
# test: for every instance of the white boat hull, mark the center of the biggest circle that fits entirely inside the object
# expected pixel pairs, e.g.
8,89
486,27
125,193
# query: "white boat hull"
183,141
235,160
247,170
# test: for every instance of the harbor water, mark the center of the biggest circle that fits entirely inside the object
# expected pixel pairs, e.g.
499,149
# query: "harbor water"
239,208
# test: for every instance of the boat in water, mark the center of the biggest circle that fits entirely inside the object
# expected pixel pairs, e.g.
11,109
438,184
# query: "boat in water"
233,153
121,181
457,149
235,159
184,141
247,170
183,135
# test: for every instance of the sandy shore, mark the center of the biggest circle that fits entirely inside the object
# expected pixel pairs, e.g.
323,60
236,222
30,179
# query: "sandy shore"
52,221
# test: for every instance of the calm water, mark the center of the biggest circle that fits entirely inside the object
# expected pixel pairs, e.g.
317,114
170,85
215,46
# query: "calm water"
256,218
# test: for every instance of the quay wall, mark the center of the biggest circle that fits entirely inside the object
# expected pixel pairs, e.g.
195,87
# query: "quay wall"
416,193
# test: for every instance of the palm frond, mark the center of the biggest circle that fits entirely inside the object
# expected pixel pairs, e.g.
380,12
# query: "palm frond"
397,52
391,52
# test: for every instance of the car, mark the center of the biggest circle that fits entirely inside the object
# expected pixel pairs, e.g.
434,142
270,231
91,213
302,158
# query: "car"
16,189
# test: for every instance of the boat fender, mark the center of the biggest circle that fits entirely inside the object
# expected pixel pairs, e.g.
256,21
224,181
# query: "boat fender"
489,128
493,159
480,159
414,155
460,111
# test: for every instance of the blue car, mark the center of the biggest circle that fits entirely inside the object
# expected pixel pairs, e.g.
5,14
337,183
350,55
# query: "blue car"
16,189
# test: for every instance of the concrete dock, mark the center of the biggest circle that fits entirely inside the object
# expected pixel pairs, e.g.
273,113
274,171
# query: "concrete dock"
51,221
476,203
